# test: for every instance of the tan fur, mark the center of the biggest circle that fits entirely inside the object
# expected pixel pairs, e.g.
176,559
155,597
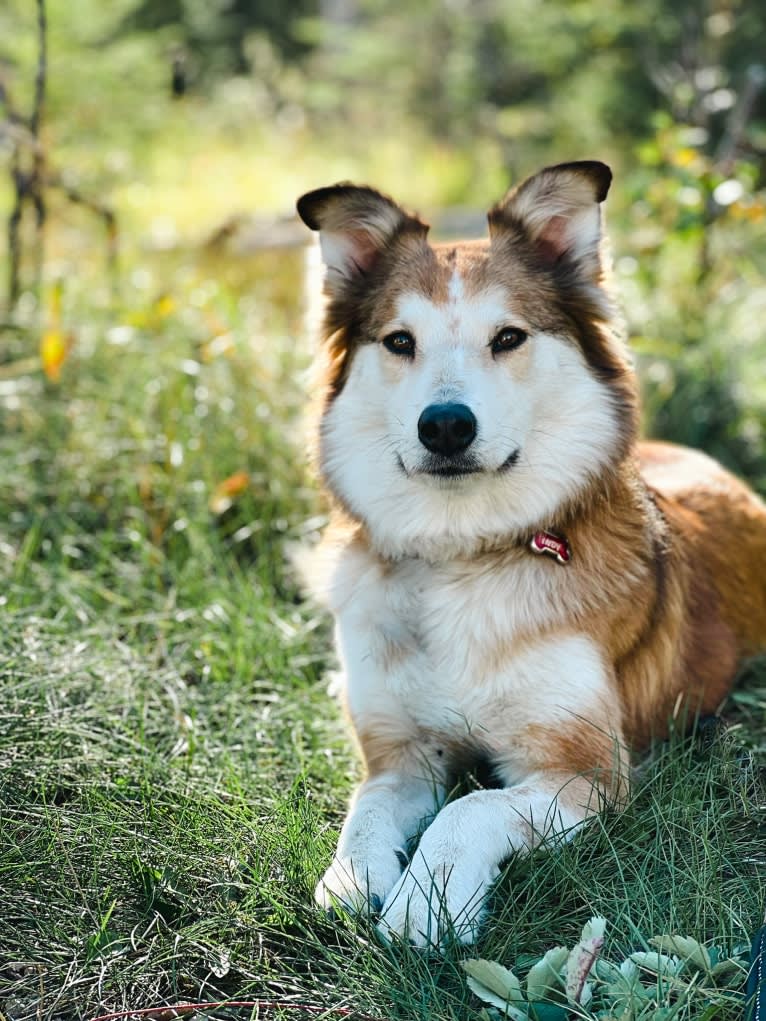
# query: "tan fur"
383,742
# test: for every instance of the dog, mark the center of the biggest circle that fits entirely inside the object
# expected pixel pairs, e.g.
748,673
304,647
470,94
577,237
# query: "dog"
516,580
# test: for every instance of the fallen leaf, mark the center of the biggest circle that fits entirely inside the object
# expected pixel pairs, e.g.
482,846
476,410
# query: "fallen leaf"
686,948
224,493
54,350
545,976
495,984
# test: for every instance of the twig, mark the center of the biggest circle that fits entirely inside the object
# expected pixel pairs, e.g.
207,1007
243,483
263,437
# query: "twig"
14,224
18,134
28,182
726,154
42,70
107,214
736,124
31,178
21,367
36,185
5,101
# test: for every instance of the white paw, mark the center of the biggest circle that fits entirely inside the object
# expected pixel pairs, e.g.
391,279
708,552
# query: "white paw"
436,901
360,884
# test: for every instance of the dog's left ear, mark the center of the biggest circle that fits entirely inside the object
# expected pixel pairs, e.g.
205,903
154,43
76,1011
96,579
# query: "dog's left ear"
355,224
559,211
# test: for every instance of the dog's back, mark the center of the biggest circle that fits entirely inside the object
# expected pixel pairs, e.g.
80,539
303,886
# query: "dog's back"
722,524
709,607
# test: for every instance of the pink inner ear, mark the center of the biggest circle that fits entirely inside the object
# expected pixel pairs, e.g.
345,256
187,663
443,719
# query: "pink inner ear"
363,251
552,242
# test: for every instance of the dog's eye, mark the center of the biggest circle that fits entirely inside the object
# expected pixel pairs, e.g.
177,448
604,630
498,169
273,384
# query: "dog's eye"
400,343
507,339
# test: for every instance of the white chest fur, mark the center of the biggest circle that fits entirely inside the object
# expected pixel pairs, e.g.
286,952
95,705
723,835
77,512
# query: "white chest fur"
461,652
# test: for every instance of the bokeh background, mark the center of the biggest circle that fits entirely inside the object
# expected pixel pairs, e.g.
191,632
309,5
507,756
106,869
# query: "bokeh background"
198,123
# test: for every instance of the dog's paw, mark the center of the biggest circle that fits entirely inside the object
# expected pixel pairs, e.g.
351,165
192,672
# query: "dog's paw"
432,905
360,885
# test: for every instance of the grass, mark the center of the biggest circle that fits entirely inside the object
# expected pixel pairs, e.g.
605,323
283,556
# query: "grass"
164,825
173,770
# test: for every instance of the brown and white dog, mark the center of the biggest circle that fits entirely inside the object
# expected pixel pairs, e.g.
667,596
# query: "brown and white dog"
515,580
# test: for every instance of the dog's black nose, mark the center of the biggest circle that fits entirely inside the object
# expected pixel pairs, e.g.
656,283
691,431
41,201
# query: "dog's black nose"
447,429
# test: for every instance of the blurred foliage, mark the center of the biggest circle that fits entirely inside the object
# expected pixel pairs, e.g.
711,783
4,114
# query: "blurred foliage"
440,103
215,34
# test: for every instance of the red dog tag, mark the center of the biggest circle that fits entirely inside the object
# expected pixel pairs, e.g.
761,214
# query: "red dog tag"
553,545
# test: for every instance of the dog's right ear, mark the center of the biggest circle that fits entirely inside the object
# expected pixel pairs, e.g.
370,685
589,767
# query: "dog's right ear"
559,210
355,226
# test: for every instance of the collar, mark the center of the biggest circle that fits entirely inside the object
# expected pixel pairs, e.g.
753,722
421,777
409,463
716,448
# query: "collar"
551,544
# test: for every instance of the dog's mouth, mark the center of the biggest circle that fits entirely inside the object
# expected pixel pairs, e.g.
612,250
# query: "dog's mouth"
455,467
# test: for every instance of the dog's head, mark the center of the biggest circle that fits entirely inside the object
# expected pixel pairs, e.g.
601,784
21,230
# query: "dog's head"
474,390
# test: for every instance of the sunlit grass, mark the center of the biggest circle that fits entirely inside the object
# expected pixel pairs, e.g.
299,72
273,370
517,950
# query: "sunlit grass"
173,769
165,817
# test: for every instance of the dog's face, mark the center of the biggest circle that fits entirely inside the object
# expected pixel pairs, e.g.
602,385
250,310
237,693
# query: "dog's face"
473,390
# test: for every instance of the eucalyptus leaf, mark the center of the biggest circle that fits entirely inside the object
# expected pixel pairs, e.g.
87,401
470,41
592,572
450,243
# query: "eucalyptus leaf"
505,1006
622,992
545,977
629,970
495,984
659,964
606,971
728,966
686,948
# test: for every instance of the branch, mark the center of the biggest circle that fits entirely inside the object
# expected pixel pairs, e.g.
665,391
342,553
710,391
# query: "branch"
107,214
5,100
42,69
18,134
27,180
736,124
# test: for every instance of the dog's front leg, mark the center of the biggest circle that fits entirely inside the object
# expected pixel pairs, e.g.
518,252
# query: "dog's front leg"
442,892
385,812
